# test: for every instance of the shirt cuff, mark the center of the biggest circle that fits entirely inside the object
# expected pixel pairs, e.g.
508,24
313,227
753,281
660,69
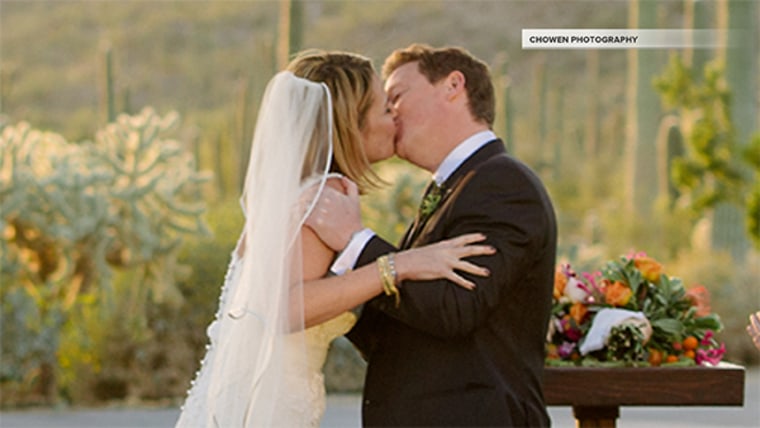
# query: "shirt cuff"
347,258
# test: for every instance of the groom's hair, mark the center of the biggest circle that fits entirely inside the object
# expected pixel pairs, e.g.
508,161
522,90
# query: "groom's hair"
437,63
349,77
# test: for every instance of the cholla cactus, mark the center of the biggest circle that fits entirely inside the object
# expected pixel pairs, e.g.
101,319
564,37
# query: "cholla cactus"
126,200
153,187
73,211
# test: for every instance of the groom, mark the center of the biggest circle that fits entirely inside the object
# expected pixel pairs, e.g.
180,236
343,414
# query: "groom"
446,356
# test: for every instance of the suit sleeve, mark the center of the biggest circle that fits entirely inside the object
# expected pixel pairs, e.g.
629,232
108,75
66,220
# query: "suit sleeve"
506,202
364,333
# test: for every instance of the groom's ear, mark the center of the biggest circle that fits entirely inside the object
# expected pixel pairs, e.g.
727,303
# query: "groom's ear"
455,85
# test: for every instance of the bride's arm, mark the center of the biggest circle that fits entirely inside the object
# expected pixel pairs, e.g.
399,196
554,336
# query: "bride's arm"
327,297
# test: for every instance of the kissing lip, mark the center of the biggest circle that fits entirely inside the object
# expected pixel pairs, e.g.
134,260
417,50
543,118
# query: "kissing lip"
398,135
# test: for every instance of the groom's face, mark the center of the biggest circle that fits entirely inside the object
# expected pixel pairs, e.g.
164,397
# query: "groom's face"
416,104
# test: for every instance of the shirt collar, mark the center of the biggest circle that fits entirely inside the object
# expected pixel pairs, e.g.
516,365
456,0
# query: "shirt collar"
460,153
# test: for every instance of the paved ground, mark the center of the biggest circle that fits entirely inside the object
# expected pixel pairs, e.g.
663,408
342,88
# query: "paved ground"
343,412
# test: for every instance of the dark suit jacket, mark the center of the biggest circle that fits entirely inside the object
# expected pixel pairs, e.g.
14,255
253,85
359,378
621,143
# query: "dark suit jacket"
447,356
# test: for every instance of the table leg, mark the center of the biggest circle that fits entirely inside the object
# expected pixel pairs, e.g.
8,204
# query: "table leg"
596,416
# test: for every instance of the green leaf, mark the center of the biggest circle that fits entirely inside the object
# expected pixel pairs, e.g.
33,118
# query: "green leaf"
709,322
668,325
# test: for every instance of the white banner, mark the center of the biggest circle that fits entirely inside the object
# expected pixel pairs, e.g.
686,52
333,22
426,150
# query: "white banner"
601,38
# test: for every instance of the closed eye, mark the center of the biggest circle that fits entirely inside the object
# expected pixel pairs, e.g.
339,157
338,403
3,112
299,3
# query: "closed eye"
394,96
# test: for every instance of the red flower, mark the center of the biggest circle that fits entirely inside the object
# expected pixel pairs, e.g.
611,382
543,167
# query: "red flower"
699,297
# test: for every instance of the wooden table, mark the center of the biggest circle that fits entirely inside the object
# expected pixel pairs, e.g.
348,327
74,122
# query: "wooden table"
596,393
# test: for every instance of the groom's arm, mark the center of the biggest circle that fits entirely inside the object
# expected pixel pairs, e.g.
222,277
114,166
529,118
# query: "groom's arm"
375,248
347,259
364,333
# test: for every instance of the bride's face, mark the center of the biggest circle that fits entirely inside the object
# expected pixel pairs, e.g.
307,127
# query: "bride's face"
379,129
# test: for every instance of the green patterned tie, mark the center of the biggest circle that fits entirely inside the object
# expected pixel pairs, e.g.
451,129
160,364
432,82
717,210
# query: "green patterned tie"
431,200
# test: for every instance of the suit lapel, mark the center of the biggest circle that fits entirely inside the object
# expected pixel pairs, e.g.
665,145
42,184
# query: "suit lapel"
484,153
408,236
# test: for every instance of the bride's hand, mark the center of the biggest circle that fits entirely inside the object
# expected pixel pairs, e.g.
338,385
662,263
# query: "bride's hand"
443,259
754,328
337,214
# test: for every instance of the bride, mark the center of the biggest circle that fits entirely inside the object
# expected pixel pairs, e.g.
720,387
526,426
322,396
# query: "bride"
321,123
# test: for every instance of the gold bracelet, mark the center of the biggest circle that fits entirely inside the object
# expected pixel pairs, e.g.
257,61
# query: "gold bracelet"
383,266
388,275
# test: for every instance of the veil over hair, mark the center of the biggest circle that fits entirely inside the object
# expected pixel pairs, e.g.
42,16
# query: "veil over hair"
257,345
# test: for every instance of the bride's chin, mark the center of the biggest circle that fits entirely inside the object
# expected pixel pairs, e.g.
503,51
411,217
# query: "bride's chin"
384,156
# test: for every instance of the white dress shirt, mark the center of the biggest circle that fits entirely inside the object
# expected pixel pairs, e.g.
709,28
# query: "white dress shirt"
346,260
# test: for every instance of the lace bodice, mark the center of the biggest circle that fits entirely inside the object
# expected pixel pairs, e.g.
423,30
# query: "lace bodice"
309,401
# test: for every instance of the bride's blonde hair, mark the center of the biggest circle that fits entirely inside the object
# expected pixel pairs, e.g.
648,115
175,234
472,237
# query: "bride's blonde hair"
349,78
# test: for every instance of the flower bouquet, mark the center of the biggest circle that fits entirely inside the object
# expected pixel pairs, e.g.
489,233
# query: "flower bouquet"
630,314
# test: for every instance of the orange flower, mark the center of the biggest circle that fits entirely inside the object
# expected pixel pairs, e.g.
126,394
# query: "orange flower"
578,311
649,268
699,297
551,352
617,294
560,280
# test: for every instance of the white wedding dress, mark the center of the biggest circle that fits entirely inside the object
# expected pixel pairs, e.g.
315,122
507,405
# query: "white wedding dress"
307,400
262,368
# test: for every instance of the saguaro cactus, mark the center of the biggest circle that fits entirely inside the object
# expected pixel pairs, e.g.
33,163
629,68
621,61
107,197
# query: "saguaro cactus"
592,103
741,67
669,147
505,109
289,33
109,102
642,115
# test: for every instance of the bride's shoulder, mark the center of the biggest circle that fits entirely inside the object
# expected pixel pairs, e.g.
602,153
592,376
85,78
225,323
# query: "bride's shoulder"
333,180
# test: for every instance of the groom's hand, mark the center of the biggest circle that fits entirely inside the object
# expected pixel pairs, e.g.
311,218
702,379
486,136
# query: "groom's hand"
337,215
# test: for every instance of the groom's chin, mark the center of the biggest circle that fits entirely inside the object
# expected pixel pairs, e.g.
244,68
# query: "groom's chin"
397,152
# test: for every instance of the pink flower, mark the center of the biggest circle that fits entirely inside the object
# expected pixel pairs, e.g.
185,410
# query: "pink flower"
566,349
591,280
635,254
707,340
576,290
711,356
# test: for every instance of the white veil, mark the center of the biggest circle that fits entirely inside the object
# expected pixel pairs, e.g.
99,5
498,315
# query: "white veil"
257,340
